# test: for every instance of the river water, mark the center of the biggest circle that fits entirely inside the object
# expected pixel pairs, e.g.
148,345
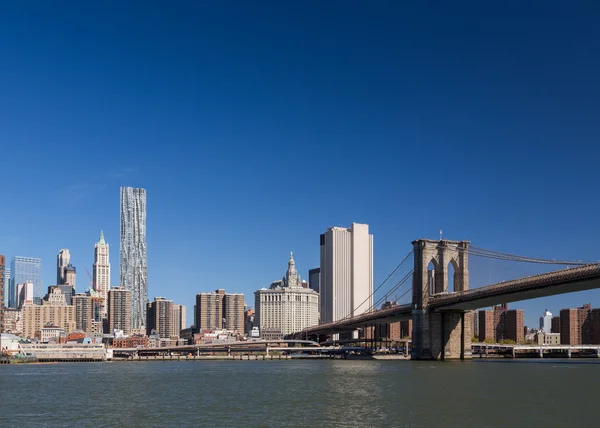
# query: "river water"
293,393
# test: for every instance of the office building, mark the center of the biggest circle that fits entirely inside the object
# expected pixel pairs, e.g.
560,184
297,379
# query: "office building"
178,319
63,259
24,294
83,312
220,310
160,317
287,305
314,279
546,322
53,310
346,283
555,325
119,310
70,276
101,272
134,263
23,269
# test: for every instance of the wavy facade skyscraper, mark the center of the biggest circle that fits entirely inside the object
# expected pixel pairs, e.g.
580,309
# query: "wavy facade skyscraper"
134,261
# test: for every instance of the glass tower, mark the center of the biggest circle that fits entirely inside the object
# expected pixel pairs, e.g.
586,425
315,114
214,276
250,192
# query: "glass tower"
134,262
23,269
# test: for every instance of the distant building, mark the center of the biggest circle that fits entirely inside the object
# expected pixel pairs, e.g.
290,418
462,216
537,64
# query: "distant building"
119,310
6,285
178,319
571,325
248,321
475,323
501,324
25,269
13,321
314,279
542,338
130,342
580,326
37,316
101,272
24,294
50,332
134,260
220,310
160,317
286,305
406,329
555,325
546,321
83,312
346,277
70,276
63,259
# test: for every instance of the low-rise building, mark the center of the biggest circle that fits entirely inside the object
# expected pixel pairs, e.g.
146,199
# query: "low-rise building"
542,338
50,333
130,342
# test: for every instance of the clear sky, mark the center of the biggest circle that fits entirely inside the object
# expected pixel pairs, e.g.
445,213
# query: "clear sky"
255,126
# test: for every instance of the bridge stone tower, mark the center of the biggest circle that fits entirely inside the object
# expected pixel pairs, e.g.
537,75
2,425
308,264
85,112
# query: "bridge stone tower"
444,334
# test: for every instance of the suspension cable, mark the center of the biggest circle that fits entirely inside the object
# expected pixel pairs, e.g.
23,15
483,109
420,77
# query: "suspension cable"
378,287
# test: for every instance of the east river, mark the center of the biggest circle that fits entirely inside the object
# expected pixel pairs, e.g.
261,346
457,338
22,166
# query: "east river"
330,393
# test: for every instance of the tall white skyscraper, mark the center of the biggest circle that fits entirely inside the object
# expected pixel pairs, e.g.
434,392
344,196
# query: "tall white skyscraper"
134,262
346,272
63,259
546,322
102,272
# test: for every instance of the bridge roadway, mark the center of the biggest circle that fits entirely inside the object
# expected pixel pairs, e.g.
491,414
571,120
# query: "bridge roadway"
531,287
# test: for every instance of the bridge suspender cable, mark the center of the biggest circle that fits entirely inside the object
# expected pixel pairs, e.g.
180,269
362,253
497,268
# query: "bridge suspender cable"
378,287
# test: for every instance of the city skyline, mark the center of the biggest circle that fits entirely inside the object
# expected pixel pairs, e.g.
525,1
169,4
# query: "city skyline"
472,140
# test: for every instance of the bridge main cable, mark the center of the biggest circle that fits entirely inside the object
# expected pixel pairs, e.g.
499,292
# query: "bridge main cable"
482,252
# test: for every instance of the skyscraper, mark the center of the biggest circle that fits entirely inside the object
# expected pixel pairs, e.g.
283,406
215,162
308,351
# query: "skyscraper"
119,309
546,322
346,272
160,317
25,269
102,271
314,279
134,263
63,259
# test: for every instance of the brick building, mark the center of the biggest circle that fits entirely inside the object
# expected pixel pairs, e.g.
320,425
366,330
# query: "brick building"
500,324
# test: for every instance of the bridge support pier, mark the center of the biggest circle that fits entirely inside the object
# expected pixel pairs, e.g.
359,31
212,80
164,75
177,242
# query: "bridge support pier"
444,335
441,335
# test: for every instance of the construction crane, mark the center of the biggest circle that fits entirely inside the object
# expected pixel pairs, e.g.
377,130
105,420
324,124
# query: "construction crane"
92,284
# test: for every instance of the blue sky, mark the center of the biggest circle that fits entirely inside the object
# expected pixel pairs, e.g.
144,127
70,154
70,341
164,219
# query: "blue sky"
255,127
